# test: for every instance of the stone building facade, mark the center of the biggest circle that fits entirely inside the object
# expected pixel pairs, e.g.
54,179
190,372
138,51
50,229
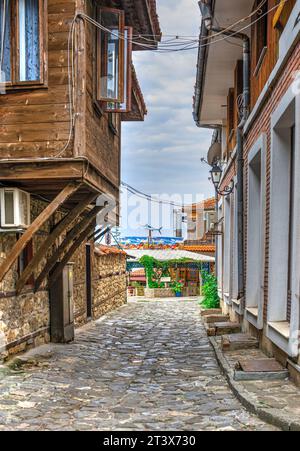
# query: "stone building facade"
60,155
109,280
25,317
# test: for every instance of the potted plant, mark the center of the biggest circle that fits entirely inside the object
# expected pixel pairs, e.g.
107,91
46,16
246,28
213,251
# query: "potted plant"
177,288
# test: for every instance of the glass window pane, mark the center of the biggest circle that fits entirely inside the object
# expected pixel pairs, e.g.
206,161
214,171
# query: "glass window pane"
111,52
5,65
29,40
125,106
9,207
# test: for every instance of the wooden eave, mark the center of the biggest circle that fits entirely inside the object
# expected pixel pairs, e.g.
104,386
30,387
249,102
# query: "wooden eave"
138,105
47,177
142,16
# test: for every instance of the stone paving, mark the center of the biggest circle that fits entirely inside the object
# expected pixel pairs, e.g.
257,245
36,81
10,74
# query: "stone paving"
147,366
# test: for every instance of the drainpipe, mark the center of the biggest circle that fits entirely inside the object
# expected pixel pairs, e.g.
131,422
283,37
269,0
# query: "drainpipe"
207,16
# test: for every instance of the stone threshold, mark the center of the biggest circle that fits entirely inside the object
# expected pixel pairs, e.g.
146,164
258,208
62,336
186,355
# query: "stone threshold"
251,395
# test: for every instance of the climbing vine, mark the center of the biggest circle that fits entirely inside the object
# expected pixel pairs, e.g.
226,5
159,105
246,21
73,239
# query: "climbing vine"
156,269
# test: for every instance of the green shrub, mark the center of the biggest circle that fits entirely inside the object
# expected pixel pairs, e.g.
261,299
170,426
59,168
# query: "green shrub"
210,291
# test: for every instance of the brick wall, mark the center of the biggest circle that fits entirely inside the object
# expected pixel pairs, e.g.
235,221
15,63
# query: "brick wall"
261,125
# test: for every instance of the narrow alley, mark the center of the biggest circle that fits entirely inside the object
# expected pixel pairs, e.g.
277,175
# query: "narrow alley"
146,366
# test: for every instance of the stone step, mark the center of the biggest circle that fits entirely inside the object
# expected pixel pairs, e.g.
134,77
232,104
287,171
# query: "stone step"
227,328
235,342
260,369
211,311
209,319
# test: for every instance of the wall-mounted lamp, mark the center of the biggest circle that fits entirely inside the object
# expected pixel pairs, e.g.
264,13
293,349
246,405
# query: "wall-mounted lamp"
216,176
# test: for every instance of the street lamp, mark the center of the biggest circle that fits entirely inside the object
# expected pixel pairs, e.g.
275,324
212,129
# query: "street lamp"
216,175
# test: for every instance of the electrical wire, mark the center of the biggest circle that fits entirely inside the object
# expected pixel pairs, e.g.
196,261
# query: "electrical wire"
190,47
148,197
187,46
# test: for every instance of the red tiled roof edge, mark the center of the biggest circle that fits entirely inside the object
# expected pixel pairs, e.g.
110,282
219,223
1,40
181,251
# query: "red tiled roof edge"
101,249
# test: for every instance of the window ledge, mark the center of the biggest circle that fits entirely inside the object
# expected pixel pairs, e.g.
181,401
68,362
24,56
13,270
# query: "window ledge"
253,311
281,327
236,301
260,61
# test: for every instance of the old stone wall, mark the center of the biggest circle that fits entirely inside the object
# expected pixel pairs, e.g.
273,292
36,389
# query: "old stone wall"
79,271
109,283
24,319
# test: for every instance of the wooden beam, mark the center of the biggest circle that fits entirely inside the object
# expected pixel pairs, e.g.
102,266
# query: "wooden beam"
35,226
67,257
50,240
77,229
99,233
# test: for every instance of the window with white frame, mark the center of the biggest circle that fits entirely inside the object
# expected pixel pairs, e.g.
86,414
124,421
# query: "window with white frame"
227,246
284,246
256,233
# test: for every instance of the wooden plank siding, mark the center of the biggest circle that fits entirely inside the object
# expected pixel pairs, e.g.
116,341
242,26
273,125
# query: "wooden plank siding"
102,144
233,116
36,122
259,76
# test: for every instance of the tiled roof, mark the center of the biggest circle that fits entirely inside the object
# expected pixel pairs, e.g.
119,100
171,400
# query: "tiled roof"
100,249
200,248
138,272
209,203
169,254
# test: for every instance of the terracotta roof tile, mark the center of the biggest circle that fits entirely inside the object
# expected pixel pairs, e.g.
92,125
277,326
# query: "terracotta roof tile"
200,248
209,203
100,249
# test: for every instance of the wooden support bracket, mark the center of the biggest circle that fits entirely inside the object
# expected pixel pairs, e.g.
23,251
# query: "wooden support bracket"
83,235
77,229
50,240
35,226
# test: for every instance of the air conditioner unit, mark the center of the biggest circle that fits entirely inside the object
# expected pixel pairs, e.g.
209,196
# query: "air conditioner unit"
15,208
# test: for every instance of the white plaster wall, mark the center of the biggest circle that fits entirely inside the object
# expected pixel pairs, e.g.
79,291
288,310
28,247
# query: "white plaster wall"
286,115
227,245
256,225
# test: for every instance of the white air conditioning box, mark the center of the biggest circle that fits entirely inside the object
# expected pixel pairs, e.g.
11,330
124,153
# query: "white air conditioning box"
15,208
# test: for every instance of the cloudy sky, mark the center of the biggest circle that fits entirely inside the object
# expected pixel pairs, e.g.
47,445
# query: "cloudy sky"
162,154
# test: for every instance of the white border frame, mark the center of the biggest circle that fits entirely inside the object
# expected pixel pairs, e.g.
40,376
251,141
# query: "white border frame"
291,345
259,146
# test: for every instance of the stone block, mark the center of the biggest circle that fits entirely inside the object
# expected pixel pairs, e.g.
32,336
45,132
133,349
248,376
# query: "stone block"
227,328
212,311
209,319
235,342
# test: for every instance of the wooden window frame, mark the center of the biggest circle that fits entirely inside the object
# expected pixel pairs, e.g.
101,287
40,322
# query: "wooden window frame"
128,100
100,56
14,83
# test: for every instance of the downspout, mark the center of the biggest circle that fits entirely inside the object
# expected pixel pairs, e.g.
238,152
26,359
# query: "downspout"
206,12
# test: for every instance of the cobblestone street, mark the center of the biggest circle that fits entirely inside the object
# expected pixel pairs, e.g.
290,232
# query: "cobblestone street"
146,366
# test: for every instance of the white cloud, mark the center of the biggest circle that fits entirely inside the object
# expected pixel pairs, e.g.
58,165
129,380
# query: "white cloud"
163,153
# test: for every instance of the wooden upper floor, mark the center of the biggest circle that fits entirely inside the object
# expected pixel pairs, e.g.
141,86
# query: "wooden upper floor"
68,82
